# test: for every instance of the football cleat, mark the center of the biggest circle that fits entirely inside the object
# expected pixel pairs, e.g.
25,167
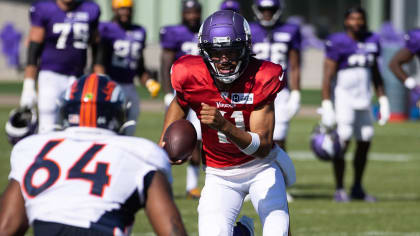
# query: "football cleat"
357,193
22,123
341,196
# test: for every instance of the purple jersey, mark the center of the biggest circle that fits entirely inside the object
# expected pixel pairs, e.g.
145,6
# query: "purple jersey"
274,44
349,53
180,39
126,49
66,35
412,41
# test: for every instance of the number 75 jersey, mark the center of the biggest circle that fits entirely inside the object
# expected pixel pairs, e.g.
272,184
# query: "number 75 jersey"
86,177
67,35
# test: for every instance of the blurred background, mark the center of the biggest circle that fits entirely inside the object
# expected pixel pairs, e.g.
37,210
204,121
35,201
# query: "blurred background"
318,18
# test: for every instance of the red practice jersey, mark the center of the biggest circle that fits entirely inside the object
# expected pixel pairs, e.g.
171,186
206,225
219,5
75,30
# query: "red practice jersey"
257,86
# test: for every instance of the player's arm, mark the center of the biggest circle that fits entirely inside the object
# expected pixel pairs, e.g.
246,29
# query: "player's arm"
175,112
293,103
13,220
167,58
161,209
378,82
36,39
144,76
103,53
400,58
330,69
261,124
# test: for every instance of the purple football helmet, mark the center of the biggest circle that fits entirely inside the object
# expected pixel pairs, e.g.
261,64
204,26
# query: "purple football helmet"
227,32
276,6
186,4
232,5
325,143
22,123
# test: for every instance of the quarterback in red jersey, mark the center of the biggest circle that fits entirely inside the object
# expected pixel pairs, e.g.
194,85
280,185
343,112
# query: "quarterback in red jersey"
232,93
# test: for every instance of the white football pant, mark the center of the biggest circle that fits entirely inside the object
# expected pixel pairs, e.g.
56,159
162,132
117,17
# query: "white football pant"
51,86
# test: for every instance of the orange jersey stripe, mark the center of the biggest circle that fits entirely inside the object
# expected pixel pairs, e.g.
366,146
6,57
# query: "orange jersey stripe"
88,102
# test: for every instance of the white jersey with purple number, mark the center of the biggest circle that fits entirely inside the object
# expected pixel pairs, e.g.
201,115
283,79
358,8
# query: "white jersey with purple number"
86,177
67,35
355,60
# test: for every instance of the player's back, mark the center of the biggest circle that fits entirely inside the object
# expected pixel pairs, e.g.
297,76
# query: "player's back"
86,177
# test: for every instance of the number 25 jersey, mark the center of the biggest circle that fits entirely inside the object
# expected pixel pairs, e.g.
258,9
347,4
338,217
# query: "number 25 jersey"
256,87
85,177
67,35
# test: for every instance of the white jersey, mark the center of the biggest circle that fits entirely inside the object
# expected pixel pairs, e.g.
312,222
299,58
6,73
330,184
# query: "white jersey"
86,177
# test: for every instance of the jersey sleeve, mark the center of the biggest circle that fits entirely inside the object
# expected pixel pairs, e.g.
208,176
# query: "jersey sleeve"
178,76
272,86
167,39
412,41
331,48
297,39
37,15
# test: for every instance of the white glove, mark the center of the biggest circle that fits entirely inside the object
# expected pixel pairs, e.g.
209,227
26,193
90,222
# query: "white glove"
384,110
328,115
28,96
293,104
410,83
167,99
286,165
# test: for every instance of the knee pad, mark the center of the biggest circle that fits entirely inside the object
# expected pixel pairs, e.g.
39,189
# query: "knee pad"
344,132
365,133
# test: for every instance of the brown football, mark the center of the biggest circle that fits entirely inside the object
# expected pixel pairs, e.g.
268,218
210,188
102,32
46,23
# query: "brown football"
180,139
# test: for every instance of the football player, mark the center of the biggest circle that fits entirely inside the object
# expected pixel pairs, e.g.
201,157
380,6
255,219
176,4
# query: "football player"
60,34
87,179
233,95
352,56
279,42
120,55
176,41
404,55
232,5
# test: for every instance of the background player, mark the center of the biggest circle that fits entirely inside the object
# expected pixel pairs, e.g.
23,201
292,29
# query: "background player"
279,42
404,55
60,34
176,41
352,56
120,55
87,180
232,5
233,95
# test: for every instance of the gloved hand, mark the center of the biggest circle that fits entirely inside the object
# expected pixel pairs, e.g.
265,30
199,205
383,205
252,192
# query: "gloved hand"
153,86
328,115
384,110
286,165
28,96
293,104
410,83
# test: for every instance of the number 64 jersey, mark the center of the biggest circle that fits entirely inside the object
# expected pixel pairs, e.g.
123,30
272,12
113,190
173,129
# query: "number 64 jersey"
355,60
86,177
67,35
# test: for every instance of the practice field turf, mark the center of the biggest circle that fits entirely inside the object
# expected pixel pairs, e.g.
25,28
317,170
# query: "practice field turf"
393,176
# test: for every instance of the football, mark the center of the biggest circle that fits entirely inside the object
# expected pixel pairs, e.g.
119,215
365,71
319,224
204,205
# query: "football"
180,139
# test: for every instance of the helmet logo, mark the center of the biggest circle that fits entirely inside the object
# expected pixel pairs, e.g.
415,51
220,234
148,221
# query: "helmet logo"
221,39
88,97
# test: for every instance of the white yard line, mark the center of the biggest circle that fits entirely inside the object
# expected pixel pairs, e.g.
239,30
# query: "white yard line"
375,156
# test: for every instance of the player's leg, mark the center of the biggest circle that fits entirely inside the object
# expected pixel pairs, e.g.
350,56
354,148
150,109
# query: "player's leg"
268,195
50,87
134,111
345,116
363,132
219,206
193,168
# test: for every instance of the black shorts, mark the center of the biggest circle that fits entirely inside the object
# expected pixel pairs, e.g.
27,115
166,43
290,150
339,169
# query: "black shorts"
42,228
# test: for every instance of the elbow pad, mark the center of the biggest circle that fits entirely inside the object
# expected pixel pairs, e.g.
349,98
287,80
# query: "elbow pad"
34,52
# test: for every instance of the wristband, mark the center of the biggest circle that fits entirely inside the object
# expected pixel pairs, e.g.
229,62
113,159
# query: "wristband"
253,146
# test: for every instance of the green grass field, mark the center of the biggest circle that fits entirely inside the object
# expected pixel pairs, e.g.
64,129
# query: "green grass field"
393,176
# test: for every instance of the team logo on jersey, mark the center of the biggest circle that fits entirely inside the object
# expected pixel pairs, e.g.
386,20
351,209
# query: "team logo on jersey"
88,97
282,37
242,98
